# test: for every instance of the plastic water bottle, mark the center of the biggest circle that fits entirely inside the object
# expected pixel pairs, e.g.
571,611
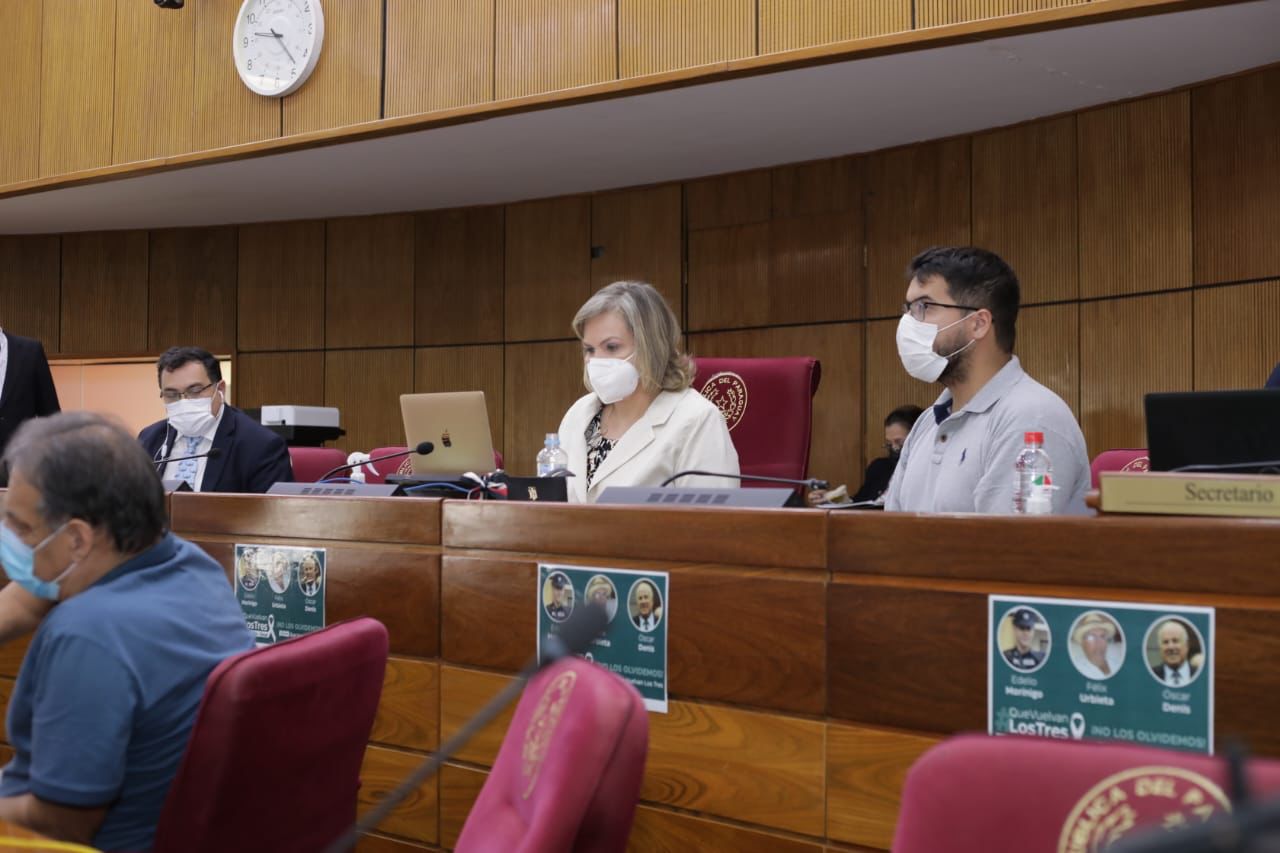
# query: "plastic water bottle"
1033,477
551,456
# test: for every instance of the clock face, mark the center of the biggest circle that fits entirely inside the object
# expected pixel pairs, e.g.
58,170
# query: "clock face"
277,44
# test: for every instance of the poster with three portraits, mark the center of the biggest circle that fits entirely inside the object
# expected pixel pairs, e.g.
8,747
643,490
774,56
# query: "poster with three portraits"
1101,670
281,590
634,643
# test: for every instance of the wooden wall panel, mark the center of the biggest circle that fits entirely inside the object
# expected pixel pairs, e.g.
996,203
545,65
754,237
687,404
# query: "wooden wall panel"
382,771
865,772
545,45
729,277
764,769
1237,335
1236,169
439,55
154,82
480,589
662,35
30,287
192,289
1135,196
458,273
815,268
476,368
290,378
376,842
1024,205
20,64
77,59
1049,348
638,236
459,788
104,286
369,281
463,692
548,266
280,299
660,829
1128,348
919,197
793,24
836,454
366,386
408,713
934,13
346,86
888,385
541,382
738,199
225,112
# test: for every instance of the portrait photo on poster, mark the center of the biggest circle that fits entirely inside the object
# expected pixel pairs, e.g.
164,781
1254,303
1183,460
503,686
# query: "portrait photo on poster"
1097,646
558,596
644,603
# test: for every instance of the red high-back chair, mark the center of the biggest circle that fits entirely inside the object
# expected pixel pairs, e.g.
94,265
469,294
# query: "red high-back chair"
312,463
377,472
274,758
975,793
568,774
1119,460
768,407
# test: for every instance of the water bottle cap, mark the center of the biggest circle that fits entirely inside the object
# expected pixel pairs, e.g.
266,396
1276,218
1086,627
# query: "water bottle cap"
1033,437
553,438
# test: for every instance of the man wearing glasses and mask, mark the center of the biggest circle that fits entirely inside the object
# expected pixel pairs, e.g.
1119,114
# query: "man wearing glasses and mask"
250,457
958,329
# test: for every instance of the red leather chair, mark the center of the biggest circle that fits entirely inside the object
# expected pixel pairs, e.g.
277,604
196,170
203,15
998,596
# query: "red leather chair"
568,774
768,406
1119,460
274,758
312,463
975,794
377,472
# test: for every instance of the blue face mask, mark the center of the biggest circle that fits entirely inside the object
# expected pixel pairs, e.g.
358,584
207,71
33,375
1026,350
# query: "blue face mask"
19,560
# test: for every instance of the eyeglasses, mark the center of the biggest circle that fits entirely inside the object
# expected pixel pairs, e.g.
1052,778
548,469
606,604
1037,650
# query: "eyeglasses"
192,393
891,446
921,307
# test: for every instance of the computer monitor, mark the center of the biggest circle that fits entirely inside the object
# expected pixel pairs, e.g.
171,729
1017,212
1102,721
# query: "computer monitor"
1231,431
457,423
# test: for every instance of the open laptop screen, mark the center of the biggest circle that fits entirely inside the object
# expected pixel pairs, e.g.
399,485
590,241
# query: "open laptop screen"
457,423
1238,430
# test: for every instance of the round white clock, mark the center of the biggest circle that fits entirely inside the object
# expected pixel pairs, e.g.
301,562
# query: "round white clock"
276,44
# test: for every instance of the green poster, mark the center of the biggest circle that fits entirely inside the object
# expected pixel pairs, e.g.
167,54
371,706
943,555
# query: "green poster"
635,644
281,590
1103,670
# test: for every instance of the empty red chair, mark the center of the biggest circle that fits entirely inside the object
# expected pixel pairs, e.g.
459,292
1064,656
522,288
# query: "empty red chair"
975,794
312,463
1119,460
568,775
274,758
768,406
377,472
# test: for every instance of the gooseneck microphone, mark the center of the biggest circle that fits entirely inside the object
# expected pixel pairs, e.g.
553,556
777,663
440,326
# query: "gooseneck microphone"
808,484
586,623
211,454
423,448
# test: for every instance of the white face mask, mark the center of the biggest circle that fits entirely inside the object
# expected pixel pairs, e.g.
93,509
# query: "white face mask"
191,417
915,348
613,379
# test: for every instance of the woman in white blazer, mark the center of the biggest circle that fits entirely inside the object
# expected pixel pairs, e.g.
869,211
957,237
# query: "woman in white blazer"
642,422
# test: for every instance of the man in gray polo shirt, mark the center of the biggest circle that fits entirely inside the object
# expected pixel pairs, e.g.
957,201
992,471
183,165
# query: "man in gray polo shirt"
958,329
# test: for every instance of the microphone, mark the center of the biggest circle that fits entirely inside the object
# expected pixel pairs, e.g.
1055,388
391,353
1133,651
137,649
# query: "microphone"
423,448
211,454
808,484
586,623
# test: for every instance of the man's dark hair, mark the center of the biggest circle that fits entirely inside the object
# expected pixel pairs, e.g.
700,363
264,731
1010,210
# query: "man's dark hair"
85,466
175,357
977,278
905,415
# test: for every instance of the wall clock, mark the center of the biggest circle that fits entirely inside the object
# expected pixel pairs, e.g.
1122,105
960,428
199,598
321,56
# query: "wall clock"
276,44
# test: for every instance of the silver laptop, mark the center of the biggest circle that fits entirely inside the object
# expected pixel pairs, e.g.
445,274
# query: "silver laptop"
457,423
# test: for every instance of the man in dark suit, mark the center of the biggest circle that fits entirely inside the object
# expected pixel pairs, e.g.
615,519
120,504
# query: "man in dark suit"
1174,668
1274,380
26,385
251,457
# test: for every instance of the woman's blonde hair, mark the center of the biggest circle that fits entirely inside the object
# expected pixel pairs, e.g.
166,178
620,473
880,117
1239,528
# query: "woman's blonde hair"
662,364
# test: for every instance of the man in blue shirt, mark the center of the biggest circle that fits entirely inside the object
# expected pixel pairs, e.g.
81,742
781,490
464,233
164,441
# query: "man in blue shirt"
108,692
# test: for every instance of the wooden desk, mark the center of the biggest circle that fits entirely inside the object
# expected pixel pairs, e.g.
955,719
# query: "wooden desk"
813,656
12,830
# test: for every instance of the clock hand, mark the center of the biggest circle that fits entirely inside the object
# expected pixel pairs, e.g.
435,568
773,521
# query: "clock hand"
282,46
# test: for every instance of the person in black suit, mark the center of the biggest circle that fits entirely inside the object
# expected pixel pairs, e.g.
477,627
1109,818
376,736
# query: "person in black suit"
26,384
1175,666
1274,380
251,459
897,426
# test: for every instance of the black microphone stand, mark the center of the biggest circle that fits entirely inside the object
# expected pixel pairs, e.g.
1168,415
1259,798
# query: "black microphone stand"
811,483
406,452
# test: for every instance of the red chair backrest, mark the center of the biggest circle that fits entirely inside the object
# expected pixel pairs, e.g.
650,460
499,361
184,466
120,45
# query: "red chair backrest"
1119,460
975,794
568,775
274,758
768,407
312,463
377,472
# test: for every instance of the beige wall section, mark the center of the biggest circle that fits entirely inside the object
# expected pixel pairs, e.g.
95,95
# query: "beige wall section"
545,45
154,75
661,35
794,24
346,86
933,13
77,61
434,67
20,48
